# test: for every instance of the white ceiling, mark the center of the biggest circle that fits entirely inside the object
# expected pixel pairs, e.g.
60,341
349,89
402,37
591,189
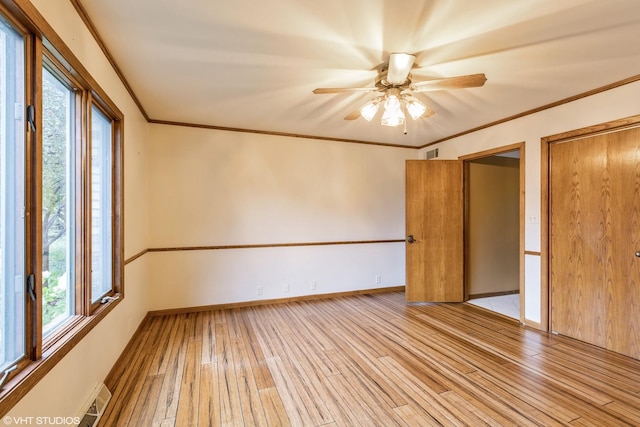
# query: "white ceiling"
252,64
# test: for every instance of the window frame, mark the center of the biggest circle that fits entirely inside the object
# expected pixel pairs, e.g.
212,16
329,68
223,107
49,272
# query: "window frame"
52,65
115,241
23,31
43,47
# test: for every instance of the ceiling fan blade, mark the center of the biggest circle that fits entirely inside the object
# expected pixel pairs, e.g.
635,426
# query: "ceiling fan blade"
399,66
343,89
459,82
427,113
353,115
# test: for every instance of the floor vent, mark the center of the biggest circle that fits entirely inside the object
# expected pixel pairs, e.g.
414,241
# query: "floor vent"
95,406
431,154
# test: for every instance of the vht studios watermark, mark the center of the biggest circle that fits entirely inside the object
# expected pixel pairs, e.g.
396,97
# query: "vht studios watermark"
41,421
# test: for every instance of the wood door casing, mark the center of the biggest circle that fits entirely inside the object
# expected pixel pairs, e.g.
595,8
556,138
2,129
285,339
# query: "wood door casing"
594,233
434,217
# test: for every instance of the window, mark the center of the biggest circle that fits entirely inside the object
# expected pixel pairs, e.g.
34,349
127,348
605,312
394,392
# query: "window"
61,234
58,179
12,191
101,206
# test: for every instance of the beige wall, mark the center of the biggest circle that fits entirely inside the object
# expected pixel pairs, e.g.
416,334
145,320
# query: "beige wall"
493,262
214,188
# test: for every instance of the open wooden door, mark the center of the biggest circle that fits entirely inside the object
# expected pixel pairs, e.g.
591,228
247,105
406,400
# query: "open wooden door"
435,220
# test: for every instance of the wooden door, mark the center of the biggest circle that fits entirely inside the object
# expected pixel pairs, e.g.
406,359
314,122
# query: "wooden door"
434,226
623,317
594,237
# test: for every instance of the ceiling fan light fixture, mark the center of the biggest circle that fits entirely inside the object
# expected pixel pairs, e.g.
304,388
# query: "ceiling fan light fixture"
393,115
395,86
369,110
392,103
393,118
416,109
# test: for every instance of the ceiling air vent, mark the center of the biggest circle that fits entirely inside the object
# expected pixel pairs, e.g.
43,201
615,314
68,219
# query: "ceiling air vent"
431,154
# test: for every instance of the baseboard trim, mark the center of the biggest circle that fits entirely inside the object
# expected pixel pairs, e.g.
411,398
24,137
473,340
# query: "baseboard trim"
493,294
272,301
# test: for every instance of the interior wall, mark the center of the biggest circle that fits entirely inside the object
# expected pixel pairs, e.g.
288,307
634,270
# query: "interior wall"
599,108
222,190
493,239
218,188
63,391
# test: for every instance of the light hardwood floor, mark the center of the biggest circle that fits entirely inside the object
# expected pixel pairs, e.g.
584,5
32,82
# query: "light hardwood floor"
365,360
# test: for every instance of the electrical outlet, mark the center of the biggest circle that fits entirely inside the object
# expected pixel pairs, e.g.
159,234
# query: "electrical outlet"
260,290
285,288
378,279
313,286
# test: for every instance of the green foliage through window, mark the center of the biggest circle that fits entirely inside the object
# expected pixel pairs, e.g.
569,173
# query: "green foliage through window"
57,201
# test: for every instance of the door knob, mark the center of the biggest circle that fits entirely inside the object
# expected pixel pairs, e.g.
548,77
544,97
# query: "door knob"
638,254
410,239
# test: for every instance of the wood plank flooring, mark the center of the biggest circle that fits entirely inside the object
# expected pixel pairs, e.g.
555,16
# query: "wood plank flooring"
364,361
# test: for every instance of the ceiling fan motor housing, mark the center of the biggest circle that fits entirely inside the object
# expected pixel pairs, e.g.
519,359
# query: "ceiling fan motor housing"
382,84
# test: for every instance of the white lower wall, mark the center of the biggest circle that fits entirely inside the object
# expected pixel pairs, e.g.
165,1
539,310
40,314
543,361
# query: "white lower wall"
195,278
532,291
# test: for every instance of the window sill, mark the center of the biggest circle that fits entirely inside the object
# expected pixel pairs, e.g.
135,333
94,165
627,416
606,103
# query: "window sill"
33,371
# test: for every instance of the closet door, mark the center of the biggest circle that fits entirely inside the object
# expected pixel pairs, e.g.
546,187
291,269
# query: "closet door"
623,316
594,236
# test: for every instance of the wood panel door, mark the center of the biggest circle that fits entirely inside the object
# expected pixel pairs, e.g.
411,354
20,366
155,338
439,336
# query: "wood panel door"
594,237
434,226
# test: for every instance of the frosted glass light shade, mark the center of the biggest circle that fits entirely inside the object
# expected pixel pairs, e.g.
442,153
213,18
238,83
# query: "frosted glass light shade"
369,110
416,109
391,119
393,115
399,66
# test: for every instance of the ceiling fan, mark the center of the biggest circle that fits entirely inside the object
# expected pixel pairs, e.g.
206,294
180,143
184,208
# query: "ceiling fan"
395,84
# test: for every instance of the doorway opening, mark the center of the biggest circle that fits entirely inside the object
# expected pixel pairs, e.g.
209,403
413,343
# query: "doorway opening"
493,218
